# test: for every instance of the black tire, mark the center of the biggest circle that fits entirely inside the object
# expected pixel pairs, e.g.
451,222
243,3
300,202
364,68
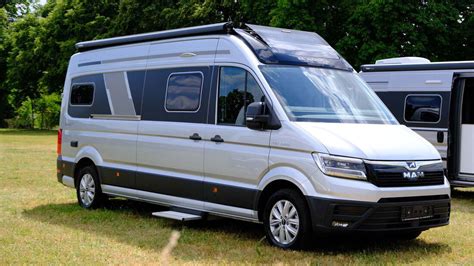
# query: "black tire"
98,197
304,232
407,236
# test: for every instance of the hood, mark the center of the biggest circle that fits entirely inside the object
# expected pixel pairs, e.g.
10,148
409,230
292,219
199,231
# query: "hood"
372,142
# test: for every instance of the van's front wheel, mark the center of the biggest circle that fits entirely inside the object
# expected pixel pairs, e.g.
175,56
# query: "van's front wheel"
286,220
89,194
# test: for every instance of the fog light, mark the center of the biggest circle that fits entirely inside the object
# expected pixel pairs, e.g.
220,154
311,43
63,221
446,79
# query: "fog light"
340,224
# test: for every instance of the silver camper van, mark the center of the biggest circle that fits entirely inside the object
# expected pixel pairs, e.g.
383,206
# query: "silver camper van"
436,100
261,124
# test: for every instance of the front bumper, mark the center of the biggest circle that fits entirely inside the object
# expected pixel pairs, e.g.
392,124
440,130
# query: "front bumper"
330,215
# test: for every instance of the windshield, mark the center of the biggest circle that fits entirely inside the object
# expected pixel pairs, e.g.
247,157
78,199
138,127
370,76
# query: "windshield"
326,95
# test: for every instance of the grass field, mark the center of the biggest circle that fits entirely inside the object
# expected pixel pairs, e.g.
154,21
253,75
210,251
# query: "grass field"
40,222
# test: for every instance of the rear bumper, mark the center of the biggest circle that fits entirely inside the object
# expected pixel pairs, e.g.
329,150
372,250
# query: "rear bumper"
383,216
63,169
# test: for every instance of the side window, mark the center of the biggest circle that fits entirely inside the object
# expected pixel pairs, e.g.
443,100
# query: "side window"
423,108
468,103
82,94
237,89
183,92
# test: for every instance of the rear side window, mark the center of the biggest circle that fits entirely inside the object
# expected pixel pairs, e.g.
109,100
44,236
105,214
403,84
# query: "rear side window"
82,94
423,108
183,92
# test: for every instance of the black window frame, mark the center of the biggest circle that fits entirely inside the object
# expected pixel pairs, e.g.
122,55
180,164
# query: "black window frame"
218,86
423,95
200,92
82,84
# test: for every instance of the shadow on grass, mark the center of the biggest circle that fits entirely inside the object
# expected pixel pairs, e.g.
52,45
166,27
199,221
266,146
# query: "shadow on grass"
463,193
131,222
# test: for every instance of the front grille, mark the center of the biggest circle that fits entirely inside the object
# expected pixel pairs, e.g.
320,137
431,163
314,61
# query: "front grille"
393,175
389,217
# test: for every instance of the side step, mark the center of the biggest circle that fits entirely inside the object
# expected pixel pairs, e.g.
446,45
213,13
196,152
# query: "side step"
180,216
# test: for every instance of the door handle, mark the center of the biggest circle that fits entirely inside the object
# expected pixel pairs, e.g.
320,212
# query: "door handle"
195,136
217,138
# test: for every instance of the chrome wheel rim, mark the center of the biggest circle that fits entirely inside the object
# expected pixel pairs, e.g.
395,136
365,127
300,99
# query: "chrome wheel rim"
284,222
87,189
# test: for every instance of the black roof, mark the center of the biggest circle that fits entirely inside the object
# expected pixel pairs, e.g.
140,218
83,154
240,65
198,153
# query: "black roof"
412,67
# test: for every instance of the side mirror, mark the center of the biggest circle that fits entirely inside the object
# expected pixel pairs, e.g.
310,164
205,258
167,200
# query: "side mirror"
257,116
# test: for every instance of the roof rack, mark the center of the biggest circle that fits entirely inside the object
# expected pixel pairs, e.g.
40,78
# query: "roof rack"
222,28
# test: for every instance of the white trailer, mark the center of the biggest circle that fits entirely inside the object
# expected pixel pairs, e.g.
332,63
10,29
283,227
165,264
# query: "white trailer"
436,99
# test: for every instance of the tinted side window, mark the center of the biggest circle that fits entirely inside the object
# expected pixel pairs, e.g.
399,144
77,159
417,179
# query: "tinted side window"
158,99
100,103
468,103
423,108
237,89
82,94
183,92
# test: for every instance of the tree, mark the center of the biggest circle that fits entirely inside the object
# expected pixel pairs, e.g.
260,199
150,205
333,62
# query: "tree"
36,42
381,29
19,8
324,17
5,111
23,69
67,22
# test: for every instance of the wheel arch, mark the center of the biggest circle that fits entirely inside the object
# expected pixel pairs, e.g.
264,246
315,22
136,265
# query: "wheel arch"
87,156
280,178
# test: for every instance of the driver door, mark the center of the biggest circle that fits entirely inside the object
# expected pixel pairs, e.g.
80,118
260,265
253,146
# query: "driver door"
235,157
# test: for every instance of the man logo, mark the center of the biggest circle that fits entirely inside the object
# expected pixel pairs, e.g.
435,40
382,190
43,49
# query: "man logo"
413,175
412,165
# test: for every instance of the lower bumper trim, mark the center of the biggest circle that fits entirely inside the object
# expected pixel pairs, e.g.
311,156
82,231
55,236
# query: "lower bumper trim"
383,216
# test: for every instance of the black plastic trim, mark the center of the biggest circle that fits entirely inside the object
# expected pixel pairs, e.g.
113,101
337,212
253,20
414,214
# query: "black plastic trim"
218,193
461,183
64,168
454,136
410,67
361,215
217,28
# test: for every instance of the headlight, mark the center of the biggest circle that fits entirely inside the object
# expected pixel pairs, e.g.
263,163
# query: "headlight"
341,166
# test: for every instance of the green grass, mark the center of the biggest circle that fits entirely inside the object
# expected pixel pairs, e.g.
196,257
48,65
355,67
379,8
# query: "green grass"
40,222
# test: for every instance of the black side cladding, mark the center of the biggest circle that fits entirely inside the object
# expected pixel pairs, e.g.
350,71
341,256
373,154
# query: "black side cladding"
64,168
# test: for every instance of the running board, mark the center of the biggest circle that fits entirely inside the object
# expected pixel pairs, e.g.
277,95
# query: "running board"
180,216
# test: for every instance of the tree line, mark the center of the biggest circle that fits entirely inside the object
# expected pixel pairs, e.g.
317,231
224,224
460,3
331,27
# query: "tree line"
36,41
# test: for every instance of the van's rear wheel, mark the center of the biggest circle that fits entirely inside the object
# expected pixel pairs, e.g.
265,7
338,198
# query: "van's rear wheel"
89,194
286,220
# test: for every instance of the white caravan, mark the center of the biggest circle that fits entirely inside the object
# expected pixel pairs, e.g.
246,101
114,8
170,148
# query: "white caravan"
437,101
261,124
